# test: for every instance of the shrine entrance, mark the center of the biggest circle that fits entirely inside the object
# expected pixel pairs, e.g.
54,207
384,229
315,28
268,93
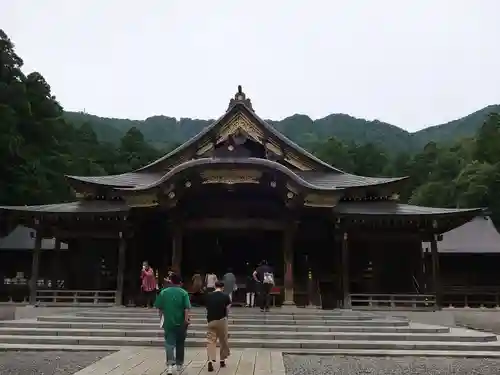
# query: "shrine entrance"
240,250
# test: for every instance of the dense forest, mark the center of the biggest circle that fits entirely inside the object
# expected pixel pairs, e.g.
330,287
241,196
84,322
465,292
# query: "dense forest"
451,165
163,131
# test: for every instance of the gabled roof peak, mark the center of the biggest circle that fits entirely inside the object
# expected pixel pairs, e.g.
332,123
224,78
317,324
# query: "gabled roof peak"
240,98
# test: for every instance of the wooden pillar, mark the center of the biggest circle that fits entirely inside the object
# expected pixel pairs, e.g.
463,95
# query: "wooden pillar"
345,272
120,274
421,269
436,279
56,263
35,266
288,234
177,249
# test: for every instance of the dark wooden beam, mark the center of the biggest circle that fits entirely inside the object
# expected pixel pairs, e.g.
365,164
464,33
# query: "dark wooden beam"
65,234
232,223
384,235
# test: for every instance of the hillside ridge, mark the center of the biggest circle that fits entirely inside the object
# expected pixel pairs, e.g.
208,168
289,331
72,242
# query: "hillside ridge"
165,131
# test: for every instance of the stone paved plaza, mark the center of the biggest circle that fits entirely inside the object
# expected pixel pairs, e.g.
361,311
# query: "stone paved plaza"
144,361
47,362
352,365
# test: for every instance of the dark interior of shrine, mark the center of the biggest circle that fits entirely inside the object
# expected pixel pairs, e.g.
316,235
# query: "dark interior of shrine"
218,250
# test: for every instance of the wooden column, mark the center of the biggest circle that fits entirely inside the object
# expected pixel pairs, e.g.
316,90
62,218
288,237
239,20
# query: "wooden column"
177,249
345,272
288,235
436,279
35,266
56,263
120,274
421,269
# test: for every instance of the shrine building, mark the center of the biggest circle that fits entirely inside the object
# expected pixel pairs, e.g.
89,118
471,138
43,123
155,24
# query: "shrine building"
233,195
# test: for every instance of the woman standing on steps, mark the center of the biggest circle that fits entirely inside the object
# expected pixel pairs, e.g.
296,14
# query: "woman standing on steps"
148,284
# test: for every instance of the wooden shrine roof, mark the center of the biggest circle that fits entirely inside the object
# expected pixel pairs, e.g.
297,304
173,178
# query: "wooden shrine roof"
399,209
99,207
240,103
318,173
478,236
313,179
371,208
23,238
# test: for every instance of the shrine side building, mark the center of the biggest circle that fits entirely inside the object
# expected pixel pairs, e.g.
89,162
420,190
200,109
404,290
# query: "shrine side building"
233,195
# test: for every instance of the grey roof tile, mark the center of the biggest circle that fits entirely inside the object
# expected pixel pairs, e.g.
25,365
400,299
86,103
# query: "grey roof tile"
321,180
72,207
23,238
344,180
394,208
477,236
131,179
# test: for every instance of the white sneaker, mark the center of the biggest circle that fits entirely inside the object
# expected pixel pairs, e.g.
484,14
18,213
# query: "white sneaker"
179,368
170,370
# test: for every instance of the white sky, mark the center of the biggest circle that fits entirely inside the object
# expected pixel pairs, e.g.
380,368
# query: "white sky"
410,63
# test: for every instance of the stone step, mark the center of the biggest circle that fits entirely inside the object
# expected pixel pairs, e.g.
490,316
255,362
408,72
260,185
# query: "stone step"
263,335
243,310
232,320
282,344
197,313
234,316
412,328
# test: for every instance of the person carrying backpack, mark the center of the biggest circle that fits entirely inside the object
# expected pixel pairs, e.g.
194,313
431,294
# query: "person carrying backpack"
264,278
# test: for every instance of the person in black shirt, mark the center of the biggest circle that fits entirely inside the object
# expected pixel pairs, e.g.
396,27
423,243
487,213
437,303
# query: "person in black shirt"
217,304
264,278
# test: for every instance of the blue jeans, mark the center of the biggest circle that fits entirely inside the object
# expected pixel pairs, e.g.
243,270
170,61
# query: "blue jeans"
175,338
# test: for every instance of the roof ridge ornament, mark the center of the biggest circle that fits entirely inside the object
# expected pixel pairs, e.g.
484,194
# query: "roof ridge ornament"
240,98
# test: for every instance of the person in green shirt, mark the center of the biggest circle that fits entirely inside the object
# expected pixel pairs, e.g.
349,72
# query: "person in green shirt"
174,305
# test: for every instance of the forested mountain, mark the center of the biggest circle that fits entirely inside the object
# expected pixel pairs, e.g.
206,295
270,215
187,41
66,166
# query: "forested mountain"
163,131
39,144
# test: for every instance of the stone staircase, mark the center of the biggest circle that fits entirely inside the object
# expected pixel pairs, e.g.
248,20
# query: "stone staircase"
290,330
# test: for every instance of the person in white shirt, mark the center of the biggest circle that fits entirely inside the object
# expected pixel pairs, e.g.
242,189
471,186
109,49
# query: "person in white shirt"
210,280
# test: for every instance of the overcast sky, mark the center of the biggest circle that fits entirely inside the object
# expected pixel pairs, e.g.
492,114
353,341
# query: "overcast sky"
411,63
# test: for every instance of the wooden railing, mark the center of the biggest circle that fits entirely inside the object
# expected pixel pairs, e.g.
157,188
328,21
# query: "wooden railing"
75,297
393,301
474,297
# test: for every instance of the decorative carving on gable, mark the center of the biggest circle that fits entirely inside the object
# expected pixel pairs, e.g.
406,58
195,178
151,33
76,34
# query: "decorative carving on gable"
231,177
240,123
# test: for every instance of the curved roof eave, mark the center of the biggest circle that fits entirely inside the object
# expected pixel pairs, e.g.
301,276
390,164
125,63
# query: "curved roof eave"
382,182
400,209
123,180
269,164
